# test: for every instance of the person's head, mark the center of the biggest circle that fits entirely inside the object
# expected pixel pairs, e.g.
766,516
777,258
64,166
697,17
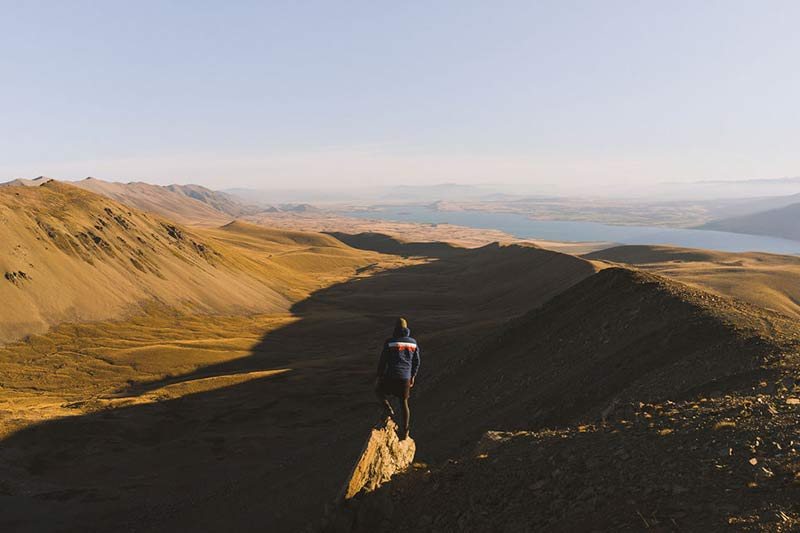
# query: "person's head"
401,327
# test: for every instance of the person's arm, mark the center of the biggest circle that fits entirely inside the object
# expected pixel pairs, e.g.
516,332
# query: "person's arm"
414,364
383,361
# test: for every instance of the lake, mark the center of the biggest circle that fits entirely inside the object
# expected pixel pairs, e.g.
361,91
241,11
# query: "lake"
523,228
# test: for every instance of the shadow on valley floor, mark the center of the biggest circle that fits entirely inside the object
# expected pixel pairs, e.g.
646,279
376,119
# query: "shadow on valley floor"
268,452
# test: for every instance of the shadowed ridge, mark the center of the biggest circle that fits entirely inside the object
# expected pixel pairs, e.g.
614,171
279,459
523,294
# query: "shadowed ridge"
683,381
385,244
619,334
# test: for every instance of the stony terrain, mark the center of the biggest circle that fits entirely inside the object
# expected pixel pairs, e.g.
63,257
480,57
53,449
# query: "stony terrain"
710,464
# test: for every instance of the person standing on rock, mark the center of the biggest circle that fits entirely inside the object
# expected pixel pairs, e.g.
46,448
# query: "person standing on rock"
397,369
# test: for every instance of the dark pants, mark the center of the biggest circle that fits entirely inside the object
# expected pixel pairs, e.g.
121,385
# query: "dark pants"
400,389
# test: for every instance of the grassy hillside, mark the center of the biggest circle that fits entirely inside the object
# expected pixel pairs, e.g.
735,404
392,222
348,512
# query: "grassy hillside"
70,255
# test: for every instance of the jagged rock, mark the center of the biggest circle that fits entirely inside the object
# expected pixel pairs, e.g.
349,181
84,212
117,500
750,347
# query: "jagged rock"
383,456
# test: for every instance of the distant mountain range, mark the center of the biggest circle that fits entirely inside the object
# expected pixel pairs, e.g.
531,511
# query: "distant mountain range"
757,181
187,204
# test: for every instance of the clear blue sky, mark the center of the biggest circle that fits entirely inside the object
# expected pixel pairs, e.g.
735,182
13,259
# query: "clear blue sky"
302,93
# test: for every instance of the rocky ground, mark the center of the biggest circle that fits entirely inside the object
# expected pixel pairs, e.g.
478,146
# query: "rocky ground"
726,462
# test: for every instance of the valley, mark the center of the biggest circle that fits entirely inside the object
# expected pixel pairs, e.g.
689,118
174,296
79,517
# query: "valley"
177,411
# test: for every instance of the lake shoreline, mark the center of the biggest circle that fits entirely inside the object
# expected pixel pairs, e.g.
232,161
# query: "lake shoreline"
523,227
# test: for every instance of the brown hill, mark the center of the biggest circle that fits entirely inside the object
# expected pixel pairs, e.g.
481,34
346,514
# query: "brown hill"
768,280
71,255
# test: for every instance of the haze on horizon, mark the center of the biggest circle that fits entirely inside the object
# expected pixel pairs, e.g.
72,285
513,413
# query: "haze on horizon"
588,95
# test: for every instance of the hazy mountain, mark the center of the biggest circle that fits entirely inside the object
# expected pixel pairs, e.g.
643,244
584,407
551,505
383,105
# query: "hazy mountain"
782,222
725,189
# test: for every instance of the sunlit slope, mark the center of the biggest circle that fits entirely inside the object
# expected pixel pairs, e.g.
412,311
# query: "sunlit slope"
71,255
767,280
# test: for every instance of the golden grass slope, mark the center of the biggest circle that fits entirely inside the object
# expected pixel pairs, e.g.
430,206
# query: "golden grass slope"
69,255
767,280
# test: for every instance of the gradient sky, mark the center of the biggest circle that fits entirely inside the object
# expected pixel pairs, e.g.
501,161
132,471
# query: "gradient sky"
302,93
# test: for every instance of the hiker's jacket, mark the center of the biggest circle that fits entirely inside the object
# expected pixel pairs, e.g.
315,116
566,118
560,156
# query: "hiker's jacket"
399,357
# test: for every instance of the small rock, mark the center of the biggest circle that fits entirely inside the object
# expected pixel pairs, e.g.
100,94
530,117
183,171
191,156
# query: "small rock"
538,485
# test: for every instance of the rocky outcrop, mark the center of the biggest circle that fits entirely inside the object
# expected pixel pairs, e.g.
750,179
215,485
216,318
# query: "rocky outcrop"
359,505
383,456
